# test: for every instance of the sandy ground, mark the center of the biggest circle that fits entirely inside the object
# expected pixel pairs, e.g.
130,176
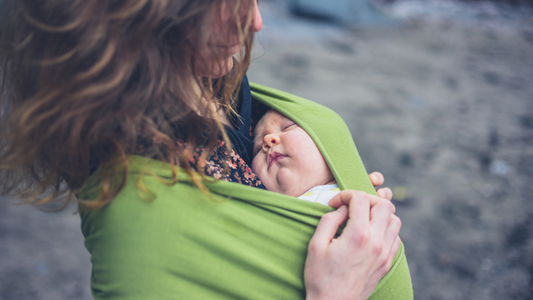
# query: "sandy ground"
443,109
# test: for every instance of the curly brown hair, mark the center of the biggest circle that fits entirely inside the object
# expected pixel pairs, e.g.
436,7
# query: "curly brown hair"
86,83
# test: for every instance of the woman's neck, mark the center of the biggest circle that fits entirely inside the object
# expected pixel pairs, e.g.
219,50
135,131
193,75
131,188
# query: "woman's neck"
211,104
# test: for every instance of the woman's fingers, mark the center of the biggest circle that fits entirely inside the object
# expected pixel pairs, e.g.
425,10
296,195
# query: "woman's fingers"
384,230
357,226
385,193
380,219
374,200
392,232
391,244
345,197
395,247
376,178
391,254
327,228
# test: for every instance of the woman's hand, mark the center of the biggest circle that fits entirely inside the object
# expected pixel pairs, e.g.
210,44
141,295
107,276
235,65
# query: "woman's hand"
350,266
377,180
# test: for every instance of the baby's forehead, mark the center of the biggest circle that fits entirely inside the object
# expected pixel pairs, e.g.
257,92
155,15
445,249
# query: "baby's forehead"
271,117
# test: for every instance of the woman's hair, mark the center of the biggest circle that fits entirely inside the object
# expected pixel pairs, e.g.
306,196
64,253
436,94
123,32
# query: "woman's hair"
84,83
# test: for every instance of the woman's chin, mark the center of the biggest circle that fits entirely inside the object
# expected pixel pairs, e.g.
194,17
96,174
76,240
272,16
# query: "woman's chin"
217,70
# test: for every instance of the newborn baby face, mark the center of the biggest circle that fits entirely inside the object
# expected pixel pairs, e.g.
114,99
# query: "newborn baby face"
286,159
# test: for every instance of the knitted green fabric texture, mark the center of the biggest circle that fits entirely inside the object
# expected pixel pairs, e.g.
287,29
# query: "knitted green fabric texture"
174,242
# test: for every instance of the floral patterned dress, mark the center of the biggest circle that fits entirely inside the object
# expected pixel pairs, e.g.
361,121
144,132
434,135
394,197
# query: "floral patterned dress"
238,170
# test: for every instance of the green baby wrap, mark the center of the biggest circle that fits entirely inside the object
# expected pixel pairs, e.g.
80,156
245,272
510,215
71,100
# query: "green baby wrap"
243,243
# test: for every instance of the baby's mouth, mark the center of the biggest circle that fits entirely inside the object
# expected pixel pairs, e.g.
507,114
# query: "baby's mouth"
274,157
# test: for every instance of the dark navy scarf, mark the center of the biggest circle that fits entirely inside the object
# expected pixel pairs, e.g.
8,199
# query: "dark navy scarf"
240,138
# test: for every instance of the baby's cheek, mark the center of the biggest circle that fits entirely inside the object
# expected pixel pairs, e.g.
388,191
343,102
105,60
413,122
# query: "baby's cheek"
255,166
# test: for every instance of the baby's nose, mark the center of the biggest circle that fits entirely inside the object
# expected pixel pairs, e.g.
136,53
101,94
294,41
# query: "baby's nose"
271,140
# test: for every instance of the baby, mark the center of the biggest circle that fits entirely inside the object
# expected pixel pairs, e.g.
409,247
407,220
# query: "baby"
288,161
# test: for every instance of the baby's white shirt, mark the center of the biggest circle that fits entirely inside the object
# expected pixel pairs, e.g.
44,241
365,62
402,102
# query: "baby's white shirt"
321,193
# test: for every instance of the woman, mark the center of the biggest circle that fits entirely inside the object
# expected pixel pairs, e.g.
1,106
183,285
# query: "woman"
134,103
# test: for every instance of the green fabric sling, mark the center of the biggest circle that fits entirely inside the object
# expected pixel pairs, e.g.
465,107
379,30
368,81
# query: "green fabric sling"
242,243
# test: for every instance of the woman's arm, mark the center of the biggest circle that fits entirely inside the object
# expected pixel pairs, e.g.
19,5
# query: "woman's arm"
351,265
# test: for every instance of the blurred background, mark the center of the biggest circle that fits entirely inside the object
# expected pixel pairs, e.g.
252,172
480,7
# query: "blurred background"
438,95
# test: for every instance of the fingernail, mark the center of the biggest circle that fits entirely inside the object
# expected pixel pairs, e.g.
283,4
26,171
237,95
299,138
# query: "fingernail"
342,208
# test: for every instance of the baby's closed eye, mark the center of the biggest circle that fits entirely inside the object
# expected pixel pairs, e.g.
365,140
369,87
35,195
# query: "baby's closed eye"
289,126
